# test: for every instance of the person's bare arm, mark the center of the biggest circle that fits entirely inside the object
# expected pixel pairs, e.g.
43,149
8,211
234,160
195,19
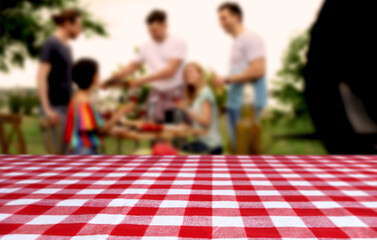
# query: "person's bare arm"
126,71
256,70
118,115
204,118
169,71
43,71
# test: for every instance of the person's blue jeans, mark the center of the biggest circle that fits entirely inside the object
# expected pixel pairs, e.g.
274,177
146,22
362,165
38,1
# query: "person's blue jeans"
233,115
85,151
201,148
58,144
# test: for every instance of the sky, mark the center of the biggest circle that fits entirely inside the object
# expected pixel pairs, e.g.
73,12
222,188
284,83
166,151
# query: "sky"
195,21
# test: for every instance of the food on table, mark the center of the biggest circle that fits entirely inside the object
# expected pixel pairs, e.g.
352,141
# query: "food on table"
106,115
151,127
163,149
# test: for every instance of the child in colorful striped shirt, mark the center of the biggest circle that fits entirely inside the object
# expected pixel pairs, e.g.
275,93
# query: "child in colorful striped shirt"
85,126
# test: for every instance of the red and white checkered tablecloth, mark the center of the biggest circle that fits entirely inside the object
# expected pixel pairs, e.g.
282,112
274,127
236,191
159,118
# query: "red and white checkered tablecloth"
188,197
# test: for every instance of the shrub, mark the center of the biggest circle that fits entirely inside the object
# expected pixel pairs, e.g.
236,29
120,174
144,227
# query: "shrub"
15,103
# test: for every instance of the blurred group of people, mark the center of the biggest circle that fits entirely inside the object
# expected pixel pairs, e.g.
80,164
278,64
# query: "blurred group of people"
175,84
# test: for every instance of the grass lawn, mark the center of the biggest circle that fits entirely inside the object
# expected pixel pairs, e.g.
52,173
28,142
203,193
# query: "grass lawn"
272,144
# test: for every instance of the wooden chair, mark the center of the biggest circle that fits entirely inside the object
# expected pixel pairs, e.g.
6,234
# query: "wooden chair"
6,138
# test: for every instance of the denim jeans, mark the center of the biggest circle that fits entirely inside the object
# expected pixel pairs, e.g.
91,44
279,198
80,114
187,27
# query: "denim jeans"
57,144
233,116
201,148
85,151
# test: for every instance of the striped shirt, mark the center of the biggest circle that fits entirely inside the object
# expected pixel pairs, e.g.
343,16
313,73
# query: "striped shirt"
83,125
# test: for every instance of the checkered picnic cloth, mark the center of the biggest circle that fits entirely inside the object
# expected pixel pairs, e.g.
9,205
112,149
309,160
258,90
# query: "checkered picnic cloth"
187,197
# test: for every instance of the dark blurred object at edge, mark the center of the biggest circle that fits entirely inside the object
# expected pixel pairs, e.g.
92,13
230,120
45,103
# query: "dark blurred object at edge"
341,84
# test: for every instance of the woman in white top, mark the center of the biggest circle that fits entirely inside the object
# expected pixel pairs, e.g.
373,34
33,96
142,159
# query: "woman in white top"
201,107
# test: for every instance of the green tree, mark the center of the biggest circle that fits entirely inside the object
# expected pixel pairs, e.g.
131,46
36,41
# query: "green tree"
25,24
289,85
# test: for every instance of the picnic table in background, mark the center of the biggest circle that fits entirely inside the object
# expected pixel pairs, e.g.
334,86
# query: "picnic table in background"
178,197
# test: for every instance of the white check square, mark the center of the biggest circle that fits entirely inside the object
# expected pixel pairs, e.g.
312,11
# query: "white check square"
83,174
291,175
221,175
324,205
63,182
276,205
111,219
116,174
186,175
299,183
48,174
349,221
123,202
338,183
21,236
222,183
151,174
105,182
8,190
135,191
183,182
14,174
72,203
63,168
173,204
286,221
227,221
311,193
370,204
267,193
28,181
47,219
22,202
144,182
167,221
354,193
4,216
91,237
225,204
179,191
224,192
90,191
47,191
261,183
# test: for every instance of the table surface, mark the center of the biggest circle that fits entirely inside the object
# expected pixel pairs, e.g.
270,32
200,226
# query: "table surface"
186,197
169,132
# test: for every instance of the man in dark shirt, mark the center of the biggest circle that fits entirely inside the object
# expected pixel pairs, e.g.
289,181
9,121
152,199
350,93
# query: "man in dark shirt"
54,73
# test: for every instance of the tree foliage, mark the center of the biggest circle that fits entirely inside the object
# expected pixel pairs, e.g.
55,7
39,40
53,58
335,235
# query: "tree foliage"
289,85
25,24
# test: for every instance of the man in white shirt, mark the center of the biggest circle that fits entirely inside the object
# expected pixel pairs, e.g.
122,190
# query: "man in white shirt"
247,65
164,55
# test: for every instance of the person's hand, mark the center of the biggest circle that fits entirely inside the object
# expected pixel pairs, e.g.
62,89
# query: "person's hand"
218,81
136,83
52,117
181,104
111,82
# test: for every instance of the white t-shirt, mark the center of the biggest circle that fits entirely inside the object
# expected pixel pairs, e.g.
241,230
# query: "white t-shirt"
156,56
247,47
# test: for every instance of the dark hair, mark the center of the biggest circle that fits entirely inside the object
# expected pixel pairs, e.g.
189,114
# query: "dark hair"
234,8
156,16
83,72
67,15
